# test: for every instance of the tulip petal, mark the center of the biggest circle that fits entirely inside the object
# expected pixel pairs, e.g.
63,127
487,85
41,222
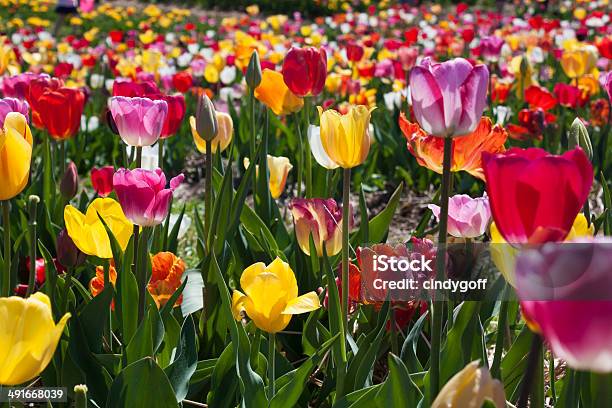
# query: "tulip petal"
473,100
316,147
302,304
427,101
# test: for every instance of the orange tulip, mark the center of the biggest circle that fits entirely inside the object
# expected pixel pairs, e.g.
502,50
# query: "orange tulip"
168,270
467,150
96,284
273,93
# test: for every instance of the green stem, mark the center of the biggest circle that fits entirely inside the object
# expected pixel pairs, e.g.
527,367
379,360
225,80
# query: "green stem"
309,192
142,273
208,194
501,331
160,154
32,224
533,358
138,157
300,155
346,190
394,344
253,138
551,373
6,277
271,364
62,145
438,305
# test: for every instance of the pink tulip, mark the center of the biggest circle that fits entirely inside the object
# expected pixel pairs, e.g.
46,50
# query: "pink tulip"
607,83
407,57
566,294
8,105
449,98
467,217
17,86
143,195
138,120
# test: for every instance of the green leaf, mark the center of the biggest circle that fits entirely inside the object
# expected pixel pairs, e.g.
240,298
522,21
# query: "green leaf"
398,390
95,317
148,337
334,311
409,348
378,227
223,382
514,363
142,384
185,360
193,297
173,237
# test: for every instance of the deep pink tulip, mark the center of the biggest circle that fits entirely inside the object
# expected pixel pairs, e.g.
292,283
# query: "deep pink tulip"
566,294
17,86
138,120
305,70
534,195
130,88
143,195
8,105
407,57
491,46
607,83
449,98
467,217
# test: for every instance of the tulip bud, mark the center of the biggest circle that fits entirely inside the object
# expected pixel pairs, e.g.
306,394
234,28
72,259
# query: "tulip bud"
33,201
70,182
253,73
80,395
579,136
524,67
67,252
206,118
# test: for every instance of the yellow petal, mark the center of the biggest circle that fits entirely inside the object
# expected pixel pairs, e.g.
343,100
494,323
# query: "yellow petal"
15,155
303,304
503,255
279,169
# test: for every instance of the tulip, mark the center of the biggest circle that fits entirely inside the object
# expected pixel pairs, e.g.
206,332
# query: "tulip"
467,217
88,233
466,151
608,85
36,89
17,86
102,180
279,168
96,284
70,102
168,270
131,89
579,61
143,195
270,296
354,52
253,73
491,46
29,337
345,138
8,105
138,120
526,205
469,388
568,95
176,113
68,254
564,291
579,136
316,147
182,81
305,70
69,183
449,98
273,93
15,155
321,219
206,119
225,131
407,57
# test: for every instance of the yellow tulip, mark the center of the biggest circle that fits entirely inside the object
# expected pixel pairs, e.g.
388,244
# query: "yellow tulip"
224,133
7,56
504,255
270,296
147,37
273,93
469,388
88,232
279,169
28,337
211,74
15,155
579,60
524,74
346,138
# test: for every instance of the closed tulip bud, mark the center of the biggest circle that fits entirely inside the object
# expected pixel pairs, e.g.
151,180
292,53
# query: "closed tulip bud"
253,73
80,395
524,67
206,119
33,201
67,252
579,136
70,182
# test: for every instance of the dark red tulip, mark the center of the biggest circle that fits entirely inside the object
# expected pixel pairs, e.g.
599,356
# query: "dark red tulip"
534,195
102,180
36,89
354,52
568,95
68,255
69,184
182,81
305,70
70,102
176,113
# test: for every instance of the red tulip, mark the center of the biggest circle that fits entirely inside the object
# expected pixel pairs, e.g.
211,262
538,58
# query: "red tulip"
305,71
63,69
538,97
354,52
534,195
102,180
36,89
60,112
182,81
176,113
568,95
131,89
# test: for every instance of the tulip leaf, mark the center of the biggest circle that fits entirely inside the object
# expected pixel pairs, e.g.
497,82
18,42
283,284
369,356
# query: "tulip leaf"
364,226
95,317
224,382
251,384
292,384
409,348
147,338
183,366
192,293
398,390
169,306
203,371
514,363
607,224
142,384
238,203
172,239
255,225
378,227
334,311
172,337
363,398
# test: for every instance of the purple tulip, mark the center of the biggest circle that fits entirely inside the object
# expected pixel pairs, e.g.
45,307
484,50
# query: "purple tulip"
566,294
143,195
17,86
491,46
467,217
606,82
449,98
8,105
138,120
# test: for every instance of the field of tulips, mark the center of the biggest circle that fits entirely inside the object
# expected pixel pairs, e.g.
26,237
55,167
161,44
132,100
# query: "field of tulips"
390,206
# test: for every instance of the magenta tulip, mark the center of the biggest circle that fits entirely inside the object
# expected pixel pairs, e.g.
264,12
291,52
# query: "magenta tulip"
143,195
8,105
566,294
467,217
18,86
449,98
138,120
